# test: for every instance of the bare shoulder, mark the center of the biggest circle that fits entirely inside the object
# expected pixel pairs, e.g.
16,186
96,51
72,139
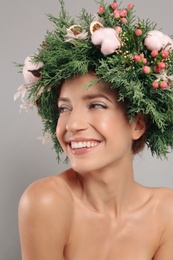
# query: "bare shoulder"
45,215
47,192
163,203
164,198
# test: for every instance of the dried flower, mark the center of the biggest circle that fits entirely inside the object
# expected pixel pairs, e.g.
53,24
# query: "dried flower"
75,32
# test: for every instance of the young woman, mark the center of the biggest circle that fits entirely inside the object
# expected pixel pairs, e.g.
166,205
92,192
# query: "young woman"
102,101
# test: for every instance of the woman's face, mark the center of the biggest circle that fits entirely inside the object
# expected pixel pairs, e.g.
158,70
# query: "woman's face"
92,127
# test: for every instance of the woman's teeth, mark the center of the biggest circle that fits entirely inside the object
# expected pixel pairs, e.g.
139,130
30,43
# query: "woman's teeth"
77,145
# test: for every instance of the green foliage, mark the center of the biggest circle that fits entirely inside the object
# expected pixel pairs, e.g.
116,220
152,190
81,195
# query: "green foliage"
64,59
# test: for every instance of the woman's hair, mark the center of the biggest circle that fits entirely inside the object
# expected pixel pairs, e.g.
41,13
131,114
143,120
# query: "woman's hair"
123,50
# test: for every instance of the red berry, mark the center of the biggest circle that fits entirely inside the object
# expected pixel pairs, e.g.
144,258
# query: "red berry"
114,5
146,69
138,32
161,65
163,84
154,53
137,58
155,84
165,54
101,10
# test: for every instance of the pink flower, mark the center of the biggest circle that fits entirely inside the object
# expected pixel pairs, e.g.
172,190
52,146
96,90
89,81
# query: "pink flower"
114,5
107,38
31,71
146,69
130,6
138,32
101,10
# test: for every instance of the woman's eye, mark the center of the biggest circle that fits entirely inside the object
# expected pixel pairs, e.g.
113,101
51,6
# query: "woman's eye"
63,109
98,105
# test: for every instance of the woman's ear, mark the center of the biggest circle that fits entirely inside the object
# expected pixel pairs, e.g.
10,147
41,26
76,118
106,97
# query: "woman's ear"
138,126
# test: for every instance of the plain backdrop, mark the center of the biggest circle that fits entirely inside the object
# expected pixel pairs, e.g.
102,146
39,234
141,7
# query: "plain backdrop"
23,158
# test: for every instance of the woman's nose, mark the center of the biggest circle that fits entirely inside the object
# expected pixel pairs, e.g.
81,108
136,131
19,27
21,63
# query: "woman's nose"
77,120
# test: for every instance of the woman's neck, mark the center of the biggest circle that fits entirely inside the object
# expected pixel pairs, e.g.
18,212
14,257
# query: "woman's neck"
111,189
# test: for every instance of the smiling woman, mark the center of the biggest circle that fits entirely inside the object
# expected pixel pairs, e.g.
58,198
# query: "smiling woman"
94,124
103,88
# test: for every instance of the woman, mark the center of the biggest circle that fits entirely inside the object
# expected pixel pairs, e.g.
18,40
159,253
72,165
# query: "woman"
104,100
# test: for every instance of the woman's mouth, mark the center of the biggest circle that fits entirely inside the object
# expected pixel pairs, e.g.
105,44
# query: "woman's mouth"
85,144
82,147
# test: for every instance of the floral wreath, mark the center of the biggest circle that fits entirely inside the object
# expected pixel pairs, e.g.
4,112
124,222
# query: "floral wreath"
120,48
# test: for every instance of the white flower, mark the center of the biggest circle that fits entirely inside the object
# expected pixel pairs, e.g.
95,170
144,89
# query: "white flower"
21,91
23,106
46,138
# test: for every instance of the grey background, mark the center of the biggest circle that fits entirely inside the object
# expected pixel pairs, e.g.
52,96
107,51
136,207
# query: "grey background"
23,159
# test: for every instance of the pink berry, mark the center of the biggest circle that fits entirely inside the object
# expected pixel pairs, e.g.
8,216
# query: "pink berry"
161,65
146,69
157,69
155,84
137,58
117,14
144,61
130,6
163,84
154,53
118,29
138,32
165,54
114,5
123,13
123,20
101,10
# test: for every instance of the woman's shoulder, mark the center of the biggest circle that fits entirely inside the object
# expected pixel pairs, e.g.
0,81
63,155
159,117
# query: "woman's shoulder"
45,217
163,200
50,192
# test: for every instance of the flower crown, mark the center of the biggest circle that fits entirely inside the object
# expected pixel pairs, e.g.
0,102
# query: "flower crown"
121,49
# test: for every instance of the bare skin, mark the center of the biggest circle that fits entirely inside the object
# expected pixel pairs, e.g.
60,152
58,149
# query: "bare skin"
95,210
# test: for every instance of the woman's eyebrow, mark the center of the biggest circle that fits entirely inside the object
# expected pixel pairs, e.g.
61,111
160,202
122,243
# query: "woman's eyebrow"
93,96
86,97
64,99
